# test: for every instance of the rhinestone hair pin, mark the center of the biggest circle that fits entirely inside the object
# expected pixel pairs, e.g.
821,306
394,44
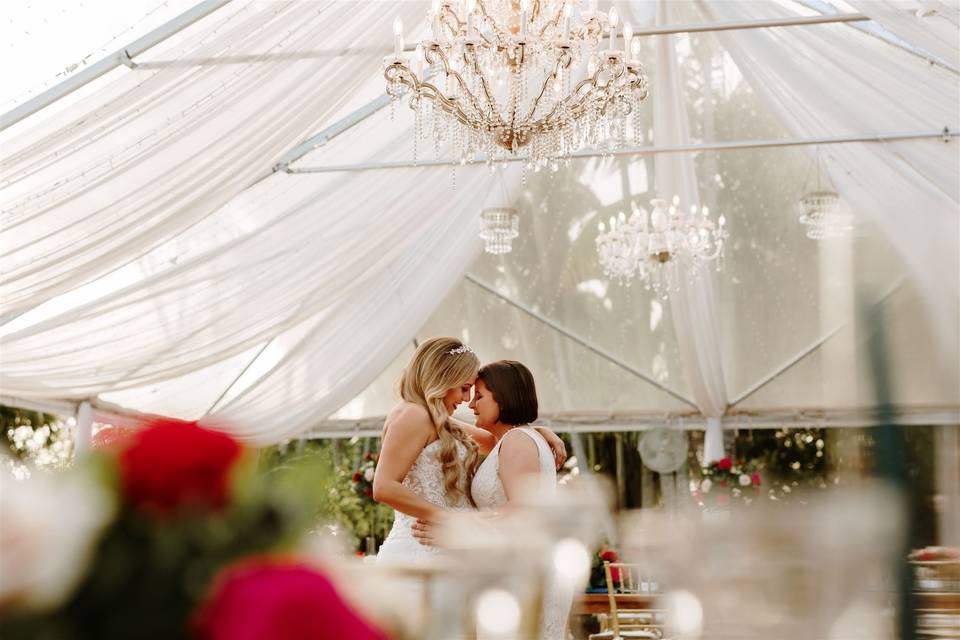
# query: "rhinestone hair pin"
461,349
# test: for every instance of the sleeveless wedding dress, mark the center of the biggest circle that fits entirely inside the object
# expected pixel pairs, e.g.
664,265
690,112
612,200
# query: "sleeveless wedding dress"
425,478
488,493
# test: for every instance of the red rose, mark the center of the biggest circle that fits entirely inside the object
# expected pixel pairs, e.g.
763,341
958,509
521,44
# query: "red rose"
369,456
725,464
609,555
265,599
171,464
356,477
755,479
367,491
723,499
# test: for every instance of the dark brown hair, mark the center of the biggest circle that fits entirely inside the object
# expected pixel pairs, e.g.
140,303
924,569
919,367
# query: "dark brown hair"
513,389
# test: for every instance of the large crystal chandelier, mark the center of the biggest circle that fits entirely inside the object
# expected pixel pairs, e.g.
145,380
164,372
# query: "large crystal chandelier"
526,78
651,247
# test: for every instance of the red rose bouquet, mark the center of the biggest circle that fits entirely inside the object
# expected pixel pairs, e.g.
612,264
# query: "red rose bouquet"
190,502
724,481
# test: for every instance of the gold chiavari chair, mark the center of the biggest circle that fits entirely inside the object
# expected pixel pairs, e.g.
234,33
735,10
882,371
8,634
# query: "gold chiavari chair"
631,615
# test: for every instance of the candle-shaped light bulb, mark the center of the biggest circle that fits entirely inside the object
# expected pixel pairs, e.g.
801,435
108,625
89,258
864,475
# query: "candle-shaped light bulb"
627,38
593,6
418,61
722,221
612,19
435,5
635,49
706,212
676,200
397,36
567,11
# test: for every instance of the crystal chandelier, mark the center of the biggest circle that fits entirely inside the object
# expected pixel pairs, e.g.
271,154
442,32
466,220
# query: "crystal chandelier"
650,247
498,229
523,78
822,215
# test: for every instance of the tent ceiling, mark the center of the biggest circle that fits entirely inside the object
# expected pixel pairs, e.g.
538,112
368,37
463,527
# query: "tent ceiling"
154,262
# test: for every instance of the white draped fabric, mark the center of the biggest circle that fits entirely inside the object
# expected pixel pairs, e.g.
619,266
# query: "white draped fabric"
909,189
694,312
932,26
154,261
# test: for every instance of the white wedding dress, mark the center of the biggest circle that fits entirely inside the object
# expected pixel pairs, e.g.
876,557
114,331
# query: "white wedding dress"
488,494
425,478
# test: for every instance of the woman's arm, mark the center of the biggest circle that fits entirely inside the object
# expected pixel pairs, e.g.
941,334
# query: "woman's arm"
403,440
519,459
556,445
484,439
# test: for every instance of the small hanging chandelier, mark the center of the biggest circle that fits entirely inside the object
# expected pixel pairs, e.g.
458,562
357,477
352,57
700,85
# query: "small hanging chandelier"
499,227
525,78
650,247
822,213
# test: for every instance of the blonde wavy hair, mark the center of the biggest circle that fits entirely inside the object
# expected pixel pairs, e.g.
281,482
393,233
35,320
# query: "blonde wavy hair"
431,373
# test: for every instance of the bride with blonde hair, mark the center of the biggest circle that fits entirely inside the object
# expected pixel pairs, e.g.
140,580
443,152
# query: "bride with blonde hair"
427,458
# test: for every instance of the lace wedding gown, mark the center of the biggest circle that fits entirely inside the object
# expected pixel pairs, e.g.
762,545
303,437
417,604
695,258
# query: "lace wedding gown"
488,493
425,478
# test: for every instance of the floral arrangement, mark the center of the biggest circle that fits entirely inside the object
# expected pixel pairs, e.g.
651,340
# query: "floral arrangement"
170,531
363,478
598,578
722,481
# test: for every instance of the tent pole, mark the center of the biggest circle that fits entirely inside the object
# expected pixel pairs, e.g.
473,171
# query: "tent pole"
945,134
581,341
819,342
121,57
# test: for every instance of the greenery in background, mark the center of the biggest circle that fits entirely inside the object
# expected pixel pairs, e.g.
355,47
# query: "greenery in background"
38,438
337,499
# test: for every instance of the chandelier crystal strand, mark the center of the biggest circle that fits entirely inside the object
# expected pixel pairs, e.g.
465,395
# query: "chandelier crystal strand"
654,247
514,76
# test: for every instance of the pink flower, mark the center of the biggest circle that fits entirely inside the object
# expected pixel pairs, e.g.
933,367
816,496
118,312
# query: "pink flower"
268,598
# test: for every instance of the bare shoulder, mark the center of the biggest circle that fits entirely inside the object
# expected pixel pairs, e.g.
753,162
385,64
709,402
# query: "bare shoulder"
410,420
518,444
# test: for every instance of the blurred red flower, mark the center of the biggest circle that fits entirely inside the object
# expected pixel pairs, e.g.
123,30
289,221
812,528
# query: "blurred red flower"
356,477
755,479
368,492
171,464
264,599
725,464
609,555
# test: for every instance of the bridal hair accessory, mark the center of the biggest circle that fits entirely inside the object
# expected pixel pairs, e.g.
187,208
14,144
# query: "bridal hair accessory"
461,349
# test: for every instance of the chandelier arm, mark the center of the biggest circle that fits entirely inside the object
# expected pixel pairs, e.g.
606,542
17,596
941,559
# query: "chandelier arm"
449,71
445,13
501,35
555,22
543,89
491,101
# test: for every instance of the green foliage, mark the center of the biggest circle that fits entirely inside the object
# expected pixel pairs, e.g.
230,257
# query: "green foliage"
334,497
